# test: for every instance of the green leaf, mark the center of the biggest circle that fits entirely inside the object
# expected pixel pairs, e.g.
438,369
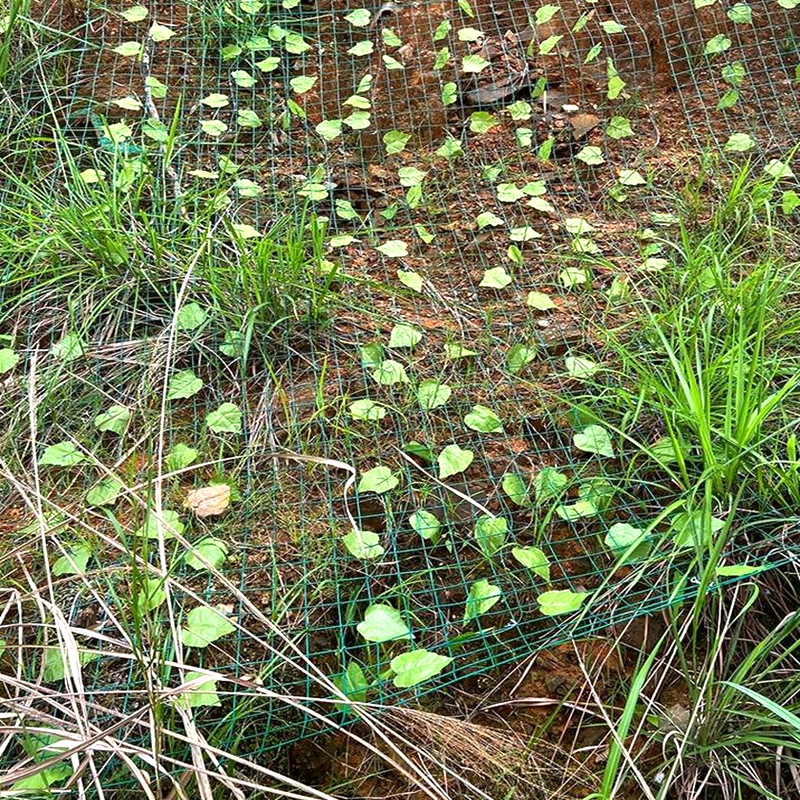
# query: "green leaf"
534,559
591,155
619,128
243,78
453,460
560,601
540,301
302,83
495,278
449,95
215,100
778,170
378,480
114,420
426,525
160,33
433,394
599,491
611,26
213,550
518,357
739,143
622,536
490,533
546,46
549,484
482,596
202,694
155,130
391,63
394,248
417,666
104,493
179,457
128,49
134,13
615,83
484,420
442,29
516,489
226,419
395,141
594,439
149,595
41,783
694,529
581,509
183,384
359,18
353,683
718,44
545,13
382,623
456,351
367,410
572,277
728,100
213,127
474,63
390,38
171,525
363,544
191,317
737,570
56,666
486,218
389,372
593,52
74,562
8,359
204,625
740,13
63,454
248,118
411,176
790,201
580,367
329,129
70,348
481,122
269,64
404,336
411,279
450,149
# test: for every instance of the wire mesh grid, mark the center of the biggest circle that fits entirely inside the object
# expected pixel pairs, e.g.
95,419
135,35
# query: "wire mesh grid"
418,130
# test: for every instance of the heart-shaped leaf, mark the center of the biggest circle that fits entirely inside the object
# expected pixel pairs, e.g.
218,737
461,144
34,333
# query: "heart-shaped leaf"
63,454
432,394
226,419
453,460
560,601
490,533
366,409
389,373
202,694
580,367
74,562
183,384
363,544
540,301
378,480
404,336
426,525
516,489
594,439
495,278
534,559
549,483
180,457
484,420
204,625
170,525
482,596
104,493
417,666
213,550
114,420
383,623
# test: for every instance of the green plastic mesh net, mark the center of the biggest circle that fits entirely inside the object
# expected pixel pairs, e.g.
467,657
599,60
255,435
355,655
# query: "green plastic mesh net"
477,167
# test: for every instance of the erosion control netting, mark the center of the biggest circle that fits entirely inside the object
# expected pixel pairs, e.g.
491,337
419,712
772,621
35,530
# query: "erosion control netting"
464,155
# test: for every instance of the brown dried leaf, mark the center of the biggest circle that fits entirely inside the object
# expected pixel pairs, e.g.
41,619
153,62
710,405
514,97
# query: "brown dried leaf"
209,501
